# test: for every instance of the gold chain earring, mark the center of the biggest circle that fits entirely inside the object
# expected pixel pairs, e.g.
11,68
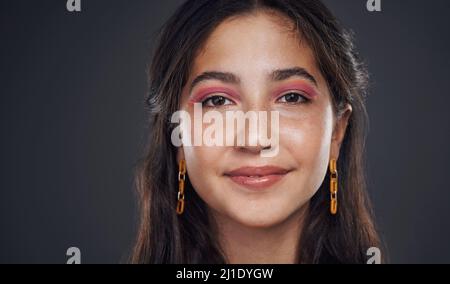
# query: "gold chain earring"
333,187
181,180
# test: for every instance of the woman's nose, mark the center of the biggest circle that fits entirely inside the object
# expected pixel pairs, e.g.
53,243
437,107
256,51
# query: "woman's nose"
253,149
252,134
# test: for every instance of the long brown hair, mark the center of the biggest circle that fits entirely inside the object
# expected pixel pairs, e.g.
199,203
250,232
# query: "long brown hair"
164,237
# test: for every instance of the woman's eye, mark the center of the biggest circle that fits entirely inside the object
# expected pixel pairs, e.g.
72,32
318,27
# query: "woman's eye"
216,101
292,98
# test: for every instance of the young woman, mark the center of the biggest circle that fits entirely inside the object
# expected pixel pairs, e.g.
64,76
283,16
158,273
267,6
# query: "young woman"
230,204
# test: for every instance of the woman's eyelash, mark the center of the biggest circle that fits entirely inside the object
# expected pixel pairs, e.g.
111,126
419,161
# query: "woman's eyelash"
293,97
216,101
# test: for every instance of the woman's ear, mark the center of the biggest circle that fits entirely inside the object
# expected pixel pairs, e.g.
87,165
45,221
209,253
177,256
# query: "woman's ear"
339,131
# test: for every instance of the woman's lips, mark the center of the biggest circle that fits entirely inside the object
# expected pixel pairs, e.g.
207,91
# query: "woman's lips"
257,177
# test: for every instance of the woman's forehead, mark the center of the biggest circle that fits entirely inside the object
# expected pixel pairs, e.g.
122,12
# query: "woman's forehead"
252,47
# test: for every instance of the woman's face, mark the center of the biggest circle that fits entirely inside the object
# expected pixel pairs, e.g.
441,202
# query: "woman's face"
258,63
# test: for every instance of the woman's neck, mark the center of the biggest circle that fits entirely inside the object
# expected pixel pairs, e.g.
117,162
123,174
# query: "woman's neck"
277,244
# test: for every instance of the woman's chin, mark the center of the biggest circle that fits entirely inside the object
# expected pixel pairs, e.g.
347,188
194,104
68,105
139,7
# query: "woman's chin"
259,217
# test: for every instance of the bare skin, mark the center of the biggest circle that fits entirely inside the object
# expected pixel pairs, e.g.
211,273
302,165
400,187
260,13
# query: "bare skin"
263,225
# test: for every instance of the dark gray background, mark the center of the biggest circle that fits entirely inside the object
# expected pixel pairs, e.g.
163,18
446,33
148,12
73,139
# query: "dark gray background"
72,120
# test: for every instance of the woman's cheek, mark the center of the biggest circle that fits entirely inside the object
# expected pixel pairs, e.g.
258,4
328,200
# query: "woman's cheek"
306,136
201,158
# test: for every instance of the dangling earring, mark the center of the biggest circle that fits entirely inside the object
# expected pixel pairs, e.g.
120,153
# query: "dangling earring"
181,180
333,187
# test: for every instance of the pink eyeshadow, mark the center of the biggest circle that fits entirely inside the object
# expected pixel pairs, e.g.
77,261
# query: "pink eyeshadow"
198,96
309,91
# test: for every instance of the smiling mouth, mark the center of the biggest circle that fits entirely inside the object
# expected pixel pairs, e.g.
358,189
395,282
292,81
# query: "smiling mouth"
257,177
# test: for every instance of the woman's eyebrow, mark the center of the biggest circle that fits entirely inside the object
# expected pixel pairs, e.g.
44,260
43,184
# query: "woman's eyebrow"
230,78
284,74
225,77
